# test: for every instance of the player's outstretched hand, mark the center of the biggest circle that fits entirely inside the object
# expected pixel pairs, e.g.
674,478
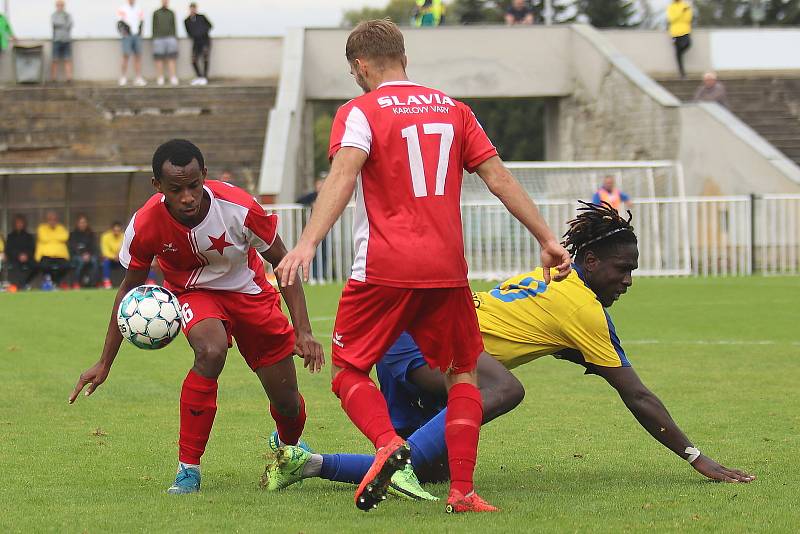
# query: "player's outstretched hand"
94,376
300,256
310,350
711,469
555,256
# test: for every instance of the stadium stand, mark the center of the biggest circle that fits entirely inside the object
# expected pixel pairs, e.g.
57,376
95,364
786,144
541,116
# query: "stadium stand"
768,104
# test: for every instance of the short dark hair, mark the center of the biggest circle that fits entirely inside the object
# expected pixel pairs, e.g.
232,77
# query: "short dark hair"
116,223
178,152
598,225
379,39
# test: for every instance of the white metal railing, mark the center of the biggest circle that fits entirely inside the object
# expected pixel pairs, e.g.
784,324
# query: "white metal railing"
777,234
704,236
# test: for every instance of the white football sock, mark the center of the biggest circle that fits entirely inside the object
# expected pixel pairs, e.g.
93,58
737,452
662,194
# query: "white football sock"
182,465
313,467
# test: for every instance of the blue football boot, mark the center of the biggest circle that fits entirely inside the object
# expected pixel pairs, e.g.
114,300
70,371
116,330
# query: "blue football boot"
187,481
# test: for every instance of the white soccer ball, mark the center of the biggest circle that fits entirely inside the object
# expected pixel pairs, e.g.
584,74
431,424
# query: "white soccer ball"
149,317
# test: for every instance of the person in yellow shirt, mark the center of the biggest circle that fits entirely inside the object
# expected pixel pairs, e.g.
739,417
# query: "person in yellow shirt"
110,245
679,17
428,13
521,320
51,250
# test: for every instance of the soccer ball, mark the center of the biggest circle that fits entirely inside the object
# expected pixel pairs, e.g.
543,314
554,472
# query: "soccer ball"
149,317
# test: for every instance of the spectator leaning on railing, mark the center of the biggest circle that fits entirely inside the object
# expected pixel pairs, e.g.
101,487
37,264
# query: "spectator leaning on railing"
20,249
83,254
519,12
110,245
62,42
165,42
51,250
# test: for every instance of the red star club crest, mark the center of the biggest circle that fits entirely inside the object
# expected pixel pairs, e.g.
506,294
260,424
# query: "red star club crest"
219,243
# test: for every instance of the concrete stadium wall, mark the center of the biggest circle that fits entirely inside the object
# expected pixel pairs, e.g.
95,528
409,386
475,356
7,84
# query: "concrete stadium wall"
474,62
98,60
712,49
723,156
614,112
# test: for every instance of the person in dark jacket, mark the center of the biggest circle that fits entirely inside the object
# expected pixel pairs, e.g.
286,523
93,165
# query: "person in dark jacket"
83,254
20,249
197,27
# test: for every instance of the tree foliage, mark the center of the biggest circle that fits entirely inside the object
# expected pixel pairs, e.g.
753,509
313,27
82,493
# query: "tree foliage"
397,10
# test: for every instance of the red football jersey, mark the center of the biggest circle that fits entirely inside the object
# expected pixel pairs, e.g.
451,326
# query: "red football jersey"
220,253
407,224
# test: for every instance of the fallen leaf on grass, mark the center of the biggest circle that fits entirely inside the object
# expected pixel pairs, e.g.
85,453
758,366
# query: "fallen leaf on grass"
12,348
696,517
98,432
576,455
647,506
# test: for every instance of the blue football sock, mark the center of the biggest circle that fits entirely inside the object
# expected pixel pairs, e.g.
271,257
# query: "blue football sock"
349,468
427,442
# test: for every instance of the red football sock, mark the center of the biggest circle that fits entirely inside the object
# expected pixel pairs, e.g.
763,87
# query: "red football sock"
364,405
198,407
461,431
290,428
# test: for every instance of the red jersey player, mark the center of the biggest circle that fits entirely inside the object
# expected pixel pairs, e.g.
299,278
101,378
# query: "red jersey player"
207,236
403,148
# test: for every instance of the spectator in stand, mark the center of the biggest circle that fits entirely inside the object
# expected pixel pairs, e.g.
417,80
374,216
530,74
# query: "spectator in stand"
52,252
679,17
165,42
130,21
197,27
226,176
711,90
428,13
519,12
83,251
609,192
20,248
6,33
110,245
62,42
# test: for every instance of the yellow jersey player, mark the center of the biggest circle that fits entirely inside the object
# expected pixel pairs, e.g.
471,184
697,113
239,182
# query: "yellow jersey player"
520,320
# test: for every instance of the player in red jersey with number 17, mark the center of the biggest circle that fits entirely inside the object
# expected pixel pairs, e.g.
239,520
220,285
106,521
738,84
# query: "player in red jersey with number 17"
209,238
403,147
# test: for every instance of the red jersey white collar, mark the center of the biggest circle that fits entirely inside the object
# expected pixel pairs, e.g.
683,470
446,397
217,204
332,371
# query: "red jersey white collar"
398,82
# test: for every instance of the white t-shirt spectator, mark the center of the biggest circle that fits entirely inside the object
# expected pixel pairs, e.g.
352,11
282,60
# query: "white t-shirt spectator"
132,15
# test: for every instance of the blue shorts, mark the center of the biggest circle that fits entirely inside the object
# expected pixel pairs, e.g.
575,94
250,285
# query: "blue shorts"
409,407
132,45
62,50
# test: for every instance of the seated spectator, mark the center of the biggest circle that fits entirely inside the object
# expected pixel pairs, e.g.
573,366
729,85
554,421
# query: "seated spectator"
110,245
711,90
608,192
51,250
83,251
519,12
62,42
20,248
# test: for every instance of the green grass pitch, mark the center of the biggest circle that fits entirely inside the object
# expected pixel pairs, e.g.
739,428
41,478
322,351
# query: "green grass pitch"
721,353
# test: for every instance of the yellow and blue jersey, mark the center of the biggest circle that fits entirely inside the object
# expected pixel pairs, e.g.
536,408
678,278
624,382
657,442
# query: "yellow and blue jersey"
523,319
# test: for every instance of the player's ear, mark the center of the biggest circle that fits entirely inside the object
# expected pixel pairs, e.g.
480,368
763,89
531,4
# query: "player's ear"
156,184
405,61
205,173
590,261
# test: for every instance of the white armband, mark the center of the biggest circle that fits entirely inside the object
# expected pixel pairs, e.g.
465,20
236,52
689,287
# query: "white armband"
693,452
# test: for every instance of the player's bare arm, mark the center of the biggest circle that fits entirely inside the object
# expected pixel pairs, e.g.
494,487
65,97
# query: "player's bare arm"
505,187
97,374
654,417
305,345
333,198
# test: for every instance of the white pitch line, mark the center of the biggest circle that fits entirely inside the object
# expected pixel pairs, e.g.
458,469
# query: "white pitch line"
734,342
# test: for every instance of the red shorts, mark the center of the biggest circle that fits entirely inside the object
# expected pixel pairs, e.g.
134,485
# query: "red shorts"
262,332
442,322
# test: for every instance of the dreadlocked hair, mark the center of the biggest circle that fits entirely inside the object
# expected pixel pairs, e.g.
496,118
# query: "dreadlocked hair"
597,223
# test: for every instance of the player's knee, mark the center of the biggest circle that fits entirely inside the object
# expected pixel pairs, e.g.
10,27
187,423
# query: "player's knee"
209,359
502,397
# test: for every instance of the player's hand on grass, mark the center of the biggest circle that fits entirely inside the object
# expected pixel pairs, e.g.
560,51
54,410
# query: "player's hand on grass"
711,469
307,347
300,256
94,376
555,256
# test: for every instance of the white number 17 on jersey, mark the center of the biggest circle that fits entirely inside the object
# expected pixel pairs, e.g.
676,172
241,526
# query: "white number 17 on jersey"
411,135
